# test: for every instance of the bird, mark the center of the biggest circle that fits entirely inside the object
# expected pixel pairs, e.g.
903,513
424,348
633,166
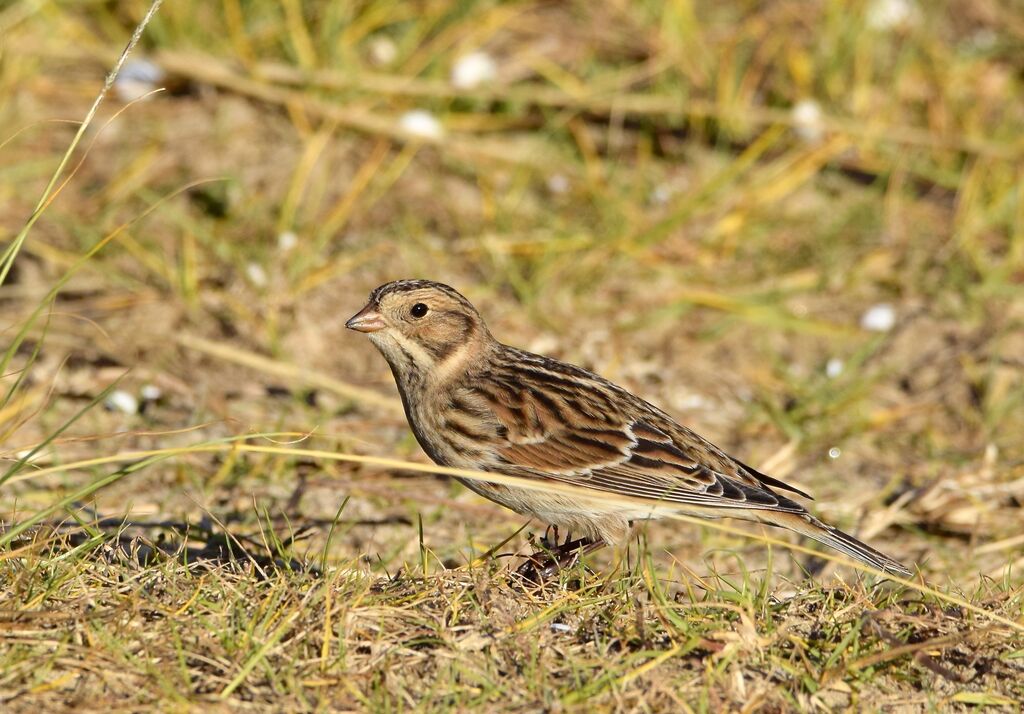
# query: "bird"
473,402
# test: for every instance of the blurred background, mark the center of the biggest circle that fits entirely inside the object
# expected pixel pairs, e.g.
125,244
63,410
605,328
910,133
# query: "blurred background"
796,226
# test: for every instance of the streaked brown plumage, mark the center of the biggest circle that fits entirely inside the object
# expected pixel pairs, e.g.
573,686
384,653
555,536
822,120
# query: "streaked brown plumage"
475,403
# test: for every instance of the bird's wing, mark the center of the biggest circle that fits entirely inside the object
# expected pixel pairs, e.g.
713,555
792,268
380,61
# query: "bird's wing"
576,438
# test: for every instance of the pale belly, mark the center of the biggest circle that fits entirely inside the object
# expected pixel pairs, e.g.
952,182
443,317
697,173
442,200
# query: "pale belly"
593,519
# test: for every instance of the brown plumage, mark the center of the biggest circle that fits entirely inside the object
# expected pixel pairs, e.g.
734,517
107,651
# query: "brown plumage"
475,403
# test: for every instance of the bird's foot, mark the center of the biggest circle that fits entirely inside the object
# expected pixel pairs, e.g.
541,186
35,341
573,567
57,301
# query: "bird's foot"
553,558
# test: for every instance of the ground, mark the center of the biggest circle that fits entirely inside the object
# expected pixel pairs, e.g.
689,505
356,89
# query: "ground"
797,227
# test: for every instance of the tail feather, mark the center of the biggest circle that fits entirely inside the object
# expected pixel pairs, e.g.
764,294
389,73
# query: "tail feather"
846,544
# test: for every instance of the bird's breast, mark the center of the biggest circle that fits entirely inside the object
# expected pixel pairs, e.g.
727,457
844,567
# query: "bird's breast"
451,436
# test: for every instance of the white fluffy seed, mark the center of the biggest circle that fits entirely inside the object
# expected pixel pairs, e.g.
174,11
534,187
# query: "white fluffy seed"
690,402
558,183
137,78
121,401
383,51
807,121
661,194
893,14
879,318
473,70
256,274
286,241
421,124
834,368
28,456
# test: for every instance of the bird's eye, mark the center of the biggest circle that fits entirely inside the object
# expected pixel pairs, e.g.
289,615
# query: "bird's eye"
419,310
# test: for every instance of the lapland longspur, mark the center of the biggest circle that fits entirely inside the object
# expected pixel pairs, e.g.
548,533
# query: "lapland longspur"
475,403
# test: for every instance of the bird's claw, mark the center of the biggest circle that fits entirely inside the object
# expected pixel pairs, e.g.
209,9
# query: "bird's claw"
548,562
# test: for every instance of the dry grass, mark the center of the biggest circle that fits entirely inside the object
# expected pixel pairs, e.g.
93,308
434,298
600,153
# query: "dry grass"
632,192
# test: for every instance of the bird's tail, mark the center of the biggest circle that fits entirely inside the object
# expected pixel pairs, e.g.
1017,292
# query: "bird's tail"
834,538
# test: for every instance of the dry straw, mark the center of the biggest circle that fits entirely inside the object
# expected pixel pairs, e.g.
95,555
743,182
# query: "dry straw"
141,459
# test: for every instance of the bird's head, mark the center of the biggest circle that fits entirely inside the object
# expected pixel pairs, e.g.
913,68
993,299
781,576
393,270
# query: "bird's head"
421,327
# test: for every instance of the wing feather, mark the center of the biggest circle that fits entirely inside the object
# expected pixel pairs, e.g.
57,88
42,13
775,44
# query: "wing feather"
634,458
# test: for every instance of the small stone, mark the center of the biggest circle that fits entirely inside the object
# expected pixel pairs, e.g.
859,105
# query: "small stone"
150,392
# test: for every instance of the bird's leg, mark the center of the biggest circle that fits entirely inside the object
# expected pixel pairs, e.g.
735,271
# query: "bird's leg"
571,551
550,539
542,566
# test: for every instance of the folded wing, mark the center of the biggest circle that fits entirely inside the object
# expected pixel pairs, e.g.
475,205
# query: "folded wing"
639,460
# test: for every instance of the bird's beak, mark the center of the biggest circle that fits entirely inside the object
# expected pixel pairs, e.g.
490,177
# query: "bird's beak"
366,320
